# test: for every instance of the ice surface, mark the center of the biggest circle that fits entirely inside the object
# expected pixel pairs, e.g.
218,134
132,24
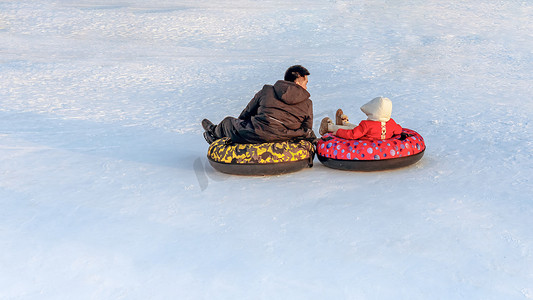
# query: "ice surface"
106,193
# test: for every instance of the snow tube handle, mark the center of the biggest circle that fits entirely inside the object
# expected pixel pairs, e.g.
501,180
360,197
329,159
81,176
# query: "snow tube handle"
404,135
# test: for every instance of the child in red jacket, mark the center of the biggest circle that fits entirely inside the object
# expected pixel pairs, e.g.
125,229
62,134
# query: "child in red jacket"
378,125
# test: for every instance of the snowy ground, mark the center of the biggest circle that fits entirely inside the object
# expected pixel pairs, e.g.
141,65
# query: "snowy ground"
106,193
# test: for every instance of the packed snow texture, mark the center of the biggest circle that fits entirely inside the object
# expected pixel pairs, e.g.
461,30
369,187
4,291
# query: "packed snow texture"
106,192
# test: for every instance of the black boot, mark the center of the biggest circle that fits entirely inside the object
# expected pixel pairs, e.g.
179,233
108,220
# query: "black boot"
209,138
208,126
209,134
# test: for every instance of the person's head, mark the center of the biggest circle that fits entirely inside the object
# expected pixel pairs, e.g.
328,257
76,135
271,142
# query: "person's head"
378,109
298,75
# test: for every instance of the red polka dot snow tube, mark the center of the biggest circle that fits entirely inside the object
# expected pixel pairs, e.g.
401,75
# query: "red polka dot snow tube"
371,155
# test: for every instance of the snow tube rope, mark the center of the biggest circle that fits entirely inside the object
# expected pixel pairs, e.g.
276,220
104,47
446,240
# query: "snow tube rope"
260,159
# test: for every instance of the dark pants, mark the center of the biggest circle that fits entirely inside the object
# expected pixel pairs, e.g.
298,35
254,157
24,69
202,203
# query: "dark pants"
239,131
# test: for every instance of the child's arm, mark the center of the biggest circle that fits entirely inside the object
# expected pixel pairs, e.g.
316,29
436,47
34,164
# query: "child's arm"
396,129
352,134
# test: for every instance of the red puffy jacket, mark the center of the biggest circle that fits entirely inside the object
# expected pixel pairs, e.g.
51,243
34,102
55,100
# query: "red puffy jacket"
371,130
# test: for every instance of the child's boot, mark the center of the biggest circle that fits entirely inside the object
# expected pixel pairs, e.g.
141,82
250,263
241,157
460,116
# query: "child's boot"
340,118
324,126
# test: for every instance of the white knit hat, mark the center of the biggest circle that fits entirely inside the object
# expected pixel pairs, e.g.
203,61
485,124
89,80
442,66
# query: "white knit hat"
379,109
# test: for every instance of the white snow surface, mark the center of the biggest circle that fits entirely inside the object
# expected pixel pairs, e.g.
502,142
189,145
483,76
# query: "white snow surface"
106,191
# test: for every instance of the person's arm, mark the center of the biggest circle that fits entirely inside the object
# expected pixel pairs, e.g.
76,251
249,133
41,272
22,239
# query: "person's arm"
251,109
308,121
352,134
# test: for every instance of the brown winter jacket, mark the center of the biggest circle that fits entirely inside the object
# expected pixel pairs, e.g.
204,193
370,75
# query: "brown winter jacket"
280,112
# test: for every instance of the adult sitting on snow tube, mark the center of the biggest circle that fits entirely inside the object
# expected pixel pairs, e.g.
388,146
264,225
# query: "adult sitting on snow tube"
260,159
279,112
377,143
261,137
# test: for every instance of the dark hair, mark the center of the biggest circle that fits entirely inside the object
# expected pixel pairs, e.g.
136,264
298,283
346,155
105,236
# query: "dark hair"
295,72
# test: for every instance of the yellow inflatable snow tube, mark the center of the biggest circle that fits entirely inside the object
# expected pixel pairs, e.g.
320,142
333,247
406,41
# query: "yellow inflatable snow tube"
260,159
